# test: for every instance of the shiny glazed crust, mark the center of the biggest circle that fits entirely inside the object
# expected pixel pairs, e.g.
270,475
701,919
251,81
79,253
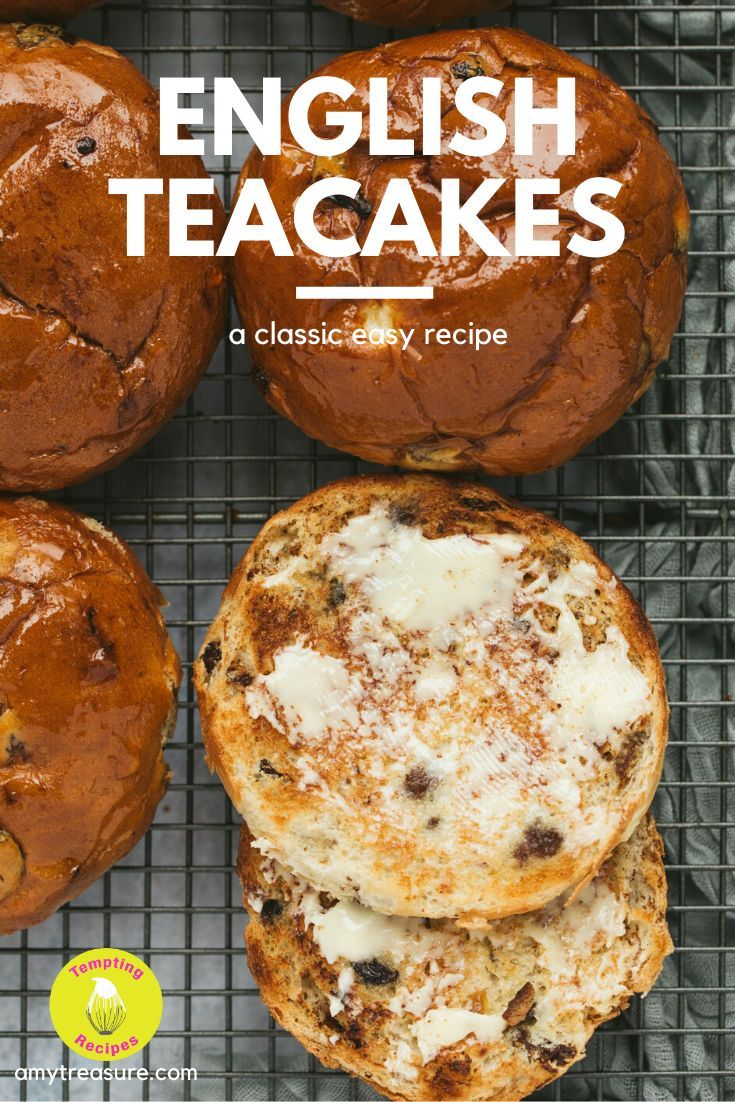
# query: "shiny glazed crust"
97,349
584,336
88,687
297,983
415,851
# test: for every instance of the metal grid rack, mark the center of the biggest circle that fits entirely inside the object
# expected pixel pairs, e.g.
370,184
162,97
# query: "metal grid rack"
652,496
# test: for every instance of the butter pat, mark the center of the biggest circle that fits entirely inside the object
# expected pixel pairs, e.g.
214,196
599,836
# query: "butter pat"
420,584
349,931
446,1025
314,692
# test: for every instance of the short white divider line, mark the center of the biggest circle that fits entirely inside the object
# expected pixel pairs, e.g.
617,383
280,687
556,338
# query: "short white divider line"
363,292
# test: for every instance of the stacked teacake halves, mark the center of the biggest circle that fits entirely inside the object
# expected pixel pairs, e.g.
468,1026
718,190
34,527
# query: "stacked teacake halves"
443,719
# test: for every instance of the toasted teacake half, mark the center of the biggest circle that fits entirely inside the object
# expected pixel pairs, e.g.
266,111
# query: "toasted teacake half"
432,699
429,1010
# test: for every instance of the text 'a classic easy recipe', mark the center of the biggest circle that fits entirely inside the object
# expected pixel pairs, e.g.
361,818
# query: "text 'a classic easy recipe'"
471,335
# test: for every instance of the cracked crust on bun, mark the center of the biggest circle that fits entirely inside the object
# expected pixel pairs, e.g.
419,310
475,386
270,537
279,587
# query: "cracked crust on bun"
97,349
434,700
433,1011
88,689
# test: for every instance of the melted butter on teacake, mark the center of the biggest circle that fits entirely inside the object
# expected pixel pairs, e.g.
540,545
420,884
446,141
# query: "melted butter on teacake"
465,695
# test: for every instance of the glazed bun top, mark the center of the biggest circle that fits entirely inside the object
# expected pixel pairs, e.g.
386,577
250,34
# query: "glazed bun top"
584,335
88,684
426,697
412,13
97,349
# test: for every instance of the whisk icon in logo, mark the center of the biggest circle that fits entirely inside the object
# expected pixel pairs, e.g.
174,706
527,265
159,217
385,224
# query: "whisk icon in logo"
105,1009
106,1004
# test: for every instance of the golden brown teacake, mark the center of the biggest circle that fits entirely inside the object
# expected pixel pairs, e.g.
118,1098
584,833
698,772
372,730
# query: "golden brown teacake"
584,336
97,349
88,682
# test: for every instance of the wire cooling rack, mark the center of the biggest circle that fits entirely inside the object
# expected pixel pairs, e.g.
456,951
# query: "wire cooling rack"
653,496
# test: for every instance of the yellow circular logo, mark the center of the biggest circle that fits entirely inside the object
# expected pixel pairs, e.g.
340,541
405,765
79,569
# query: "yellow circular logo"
106,1004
